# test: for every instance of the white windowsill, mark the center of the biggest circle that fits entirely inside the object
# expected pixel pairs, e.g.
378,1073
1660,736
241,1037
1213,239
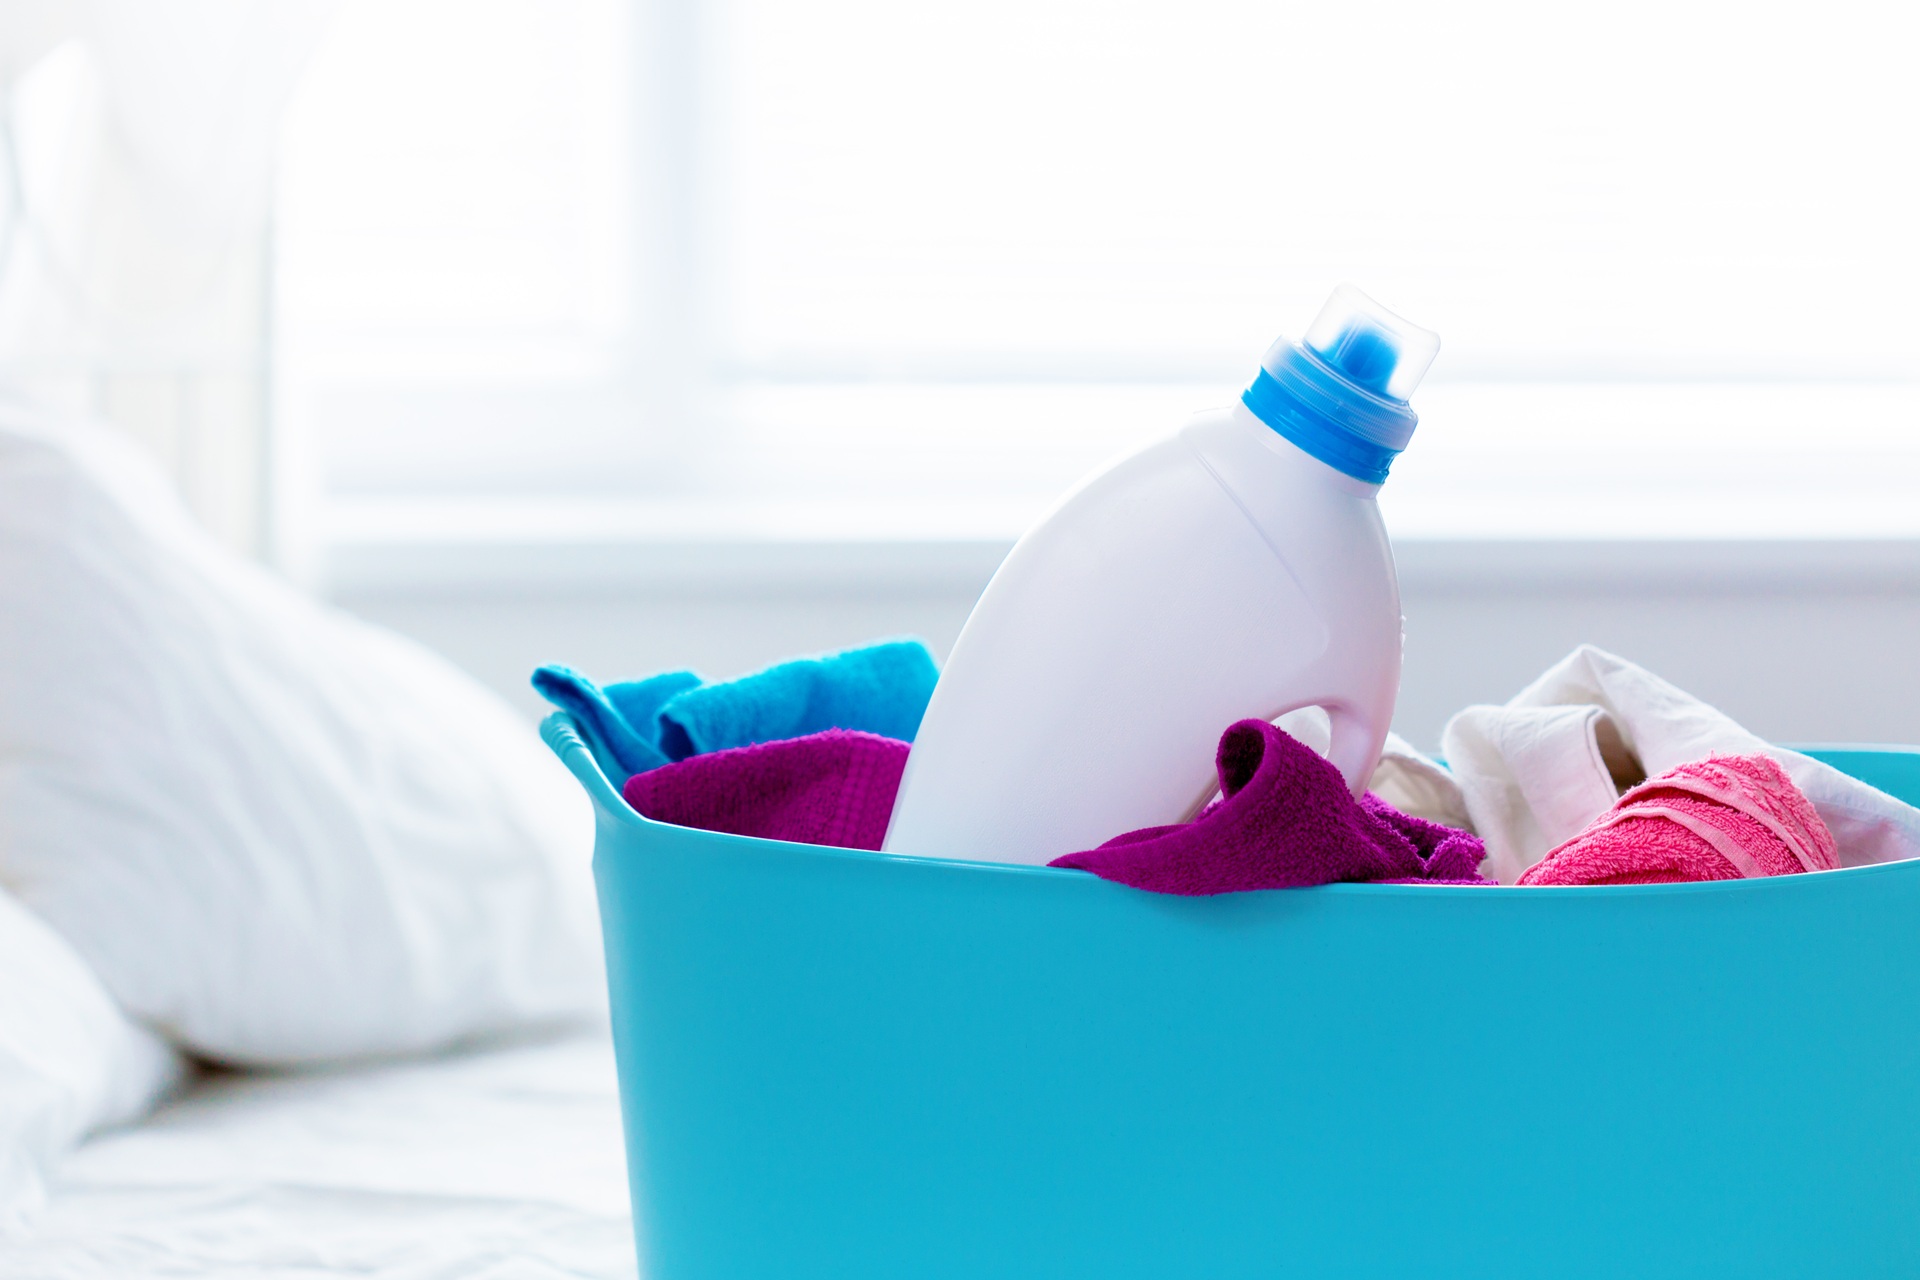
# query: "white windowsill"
426,546
1790,487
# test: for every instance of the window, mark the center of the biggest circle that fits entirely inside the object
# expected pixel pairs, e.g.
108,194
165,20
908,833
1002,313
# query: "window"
921,265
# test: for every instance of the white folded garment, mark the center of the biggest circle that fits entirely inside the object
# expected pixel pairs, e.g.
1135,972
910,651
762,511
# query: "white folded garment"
1533,773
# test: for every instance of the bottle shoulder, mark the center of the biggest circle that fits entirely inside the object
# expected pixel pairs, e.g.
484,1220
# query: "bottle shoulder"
1218,482
1241,448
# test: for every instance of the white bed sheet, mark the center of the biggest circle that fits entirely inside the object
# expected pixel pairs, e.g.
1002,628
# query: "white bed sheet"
503,1164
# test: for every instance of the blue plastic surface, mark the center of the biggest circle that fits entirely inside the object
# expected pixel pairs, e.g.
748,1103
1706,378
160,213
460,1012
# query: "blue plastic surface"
848,1065
1331,417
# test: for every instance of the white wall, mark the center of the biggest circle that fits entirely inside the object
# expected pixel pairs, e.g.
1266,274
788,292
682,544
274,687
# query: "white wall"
1801,641
1837,667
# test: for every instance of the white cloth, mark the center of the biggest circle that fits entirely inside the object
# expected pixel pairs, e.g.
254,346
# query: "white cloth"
70,1061
1533,773
504,1164
1415,783
277,834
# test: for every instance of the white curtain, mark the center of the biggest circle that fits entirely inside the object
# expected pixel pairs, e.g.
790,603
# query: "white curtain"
136,151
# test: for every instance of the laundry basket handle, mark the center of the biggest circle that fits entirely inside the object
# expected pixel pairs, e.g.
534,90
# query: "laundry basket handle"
563,738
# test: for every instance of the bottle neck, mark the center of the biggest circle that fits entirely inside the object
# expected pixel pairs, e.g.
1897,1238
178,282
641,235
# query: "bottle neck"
1252,429
1348,428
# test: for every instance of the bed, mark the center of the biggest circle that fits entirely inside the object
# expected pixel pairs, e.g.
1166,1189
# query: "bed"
238,826
503,1163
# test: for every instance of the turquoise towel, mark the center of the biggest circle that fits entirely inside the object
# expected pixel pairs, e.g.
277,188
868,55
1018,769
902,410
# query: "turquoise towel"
882,688
640,725
620,722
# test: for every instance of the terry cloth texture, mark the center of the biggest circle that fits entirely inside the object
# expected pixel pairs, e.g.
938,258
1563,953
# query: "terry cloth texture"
832,788
881,689
1406,777
1721,818
621,722
635,726
1284,820
1535,772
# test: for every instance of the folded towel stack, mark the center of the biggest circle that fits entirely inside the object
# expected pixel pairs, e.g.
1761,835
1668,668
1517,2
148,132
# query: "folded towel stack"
636,726
1534,773
813,750
833,788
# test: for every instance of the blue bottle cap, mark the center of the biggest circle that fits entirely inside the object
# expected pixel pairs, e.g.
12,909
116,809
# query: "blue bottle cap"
1341,394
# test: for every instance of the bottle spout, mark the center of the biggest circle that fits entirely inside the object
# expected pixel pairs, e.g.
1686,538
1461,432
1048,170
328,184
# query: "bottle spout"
1370,346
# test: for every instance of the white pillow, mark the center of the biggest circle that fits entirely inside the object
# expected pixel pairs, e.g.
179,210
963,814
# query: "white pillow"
279,835
70,1061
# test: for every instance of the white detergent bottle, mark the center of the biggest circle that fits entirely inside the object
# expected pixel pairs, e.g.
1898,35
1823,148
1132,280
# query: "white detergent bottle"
1235,569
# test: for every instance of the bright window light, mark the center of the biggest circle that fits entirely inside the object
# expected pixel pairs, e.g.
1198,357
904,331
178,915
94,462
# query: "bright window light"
653,249
1668,190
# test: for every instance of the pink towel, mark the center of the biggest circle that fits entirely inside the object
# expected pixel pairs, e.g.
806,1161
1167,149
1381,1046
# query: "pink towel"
832,788
1721,818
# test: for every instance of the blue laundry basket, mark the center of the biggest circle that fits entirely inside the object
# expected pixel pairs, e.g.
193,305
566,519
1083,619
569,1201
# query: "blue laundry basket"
851,1066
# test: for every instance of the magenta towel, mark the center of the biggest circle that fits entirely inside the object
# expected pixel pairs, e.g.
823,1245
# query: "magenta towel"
833,788
1284,820
1722,818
